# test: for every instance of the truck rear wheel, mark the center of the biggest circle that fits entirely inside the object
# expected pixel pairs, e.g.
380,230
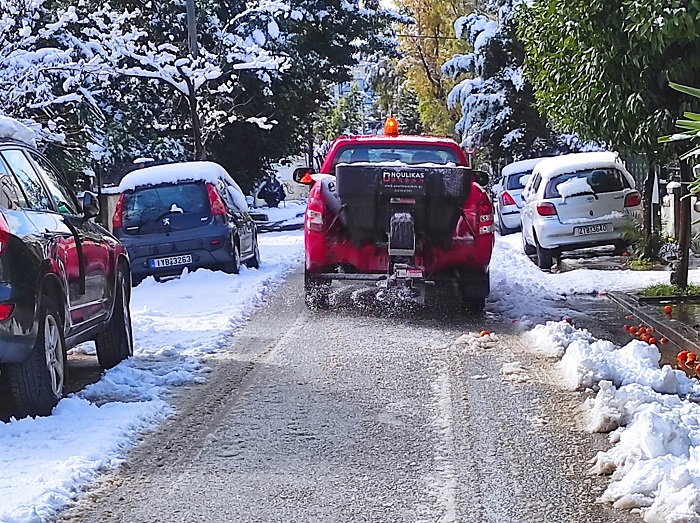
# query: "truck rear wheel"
316,292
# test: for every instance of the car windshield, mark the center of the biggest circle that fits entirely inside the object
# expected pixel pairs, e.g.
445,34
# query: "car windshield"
171,206
408,154
517,180
592,181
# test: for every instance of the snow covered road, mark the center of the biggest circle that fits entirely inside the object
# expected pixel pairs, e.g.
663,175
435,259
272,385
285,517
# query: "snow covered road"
363,415
354,414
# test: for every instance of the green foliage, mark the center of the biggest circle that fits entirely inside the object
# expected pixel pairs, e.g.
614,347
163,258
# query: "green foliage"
599,67
663,289
633,234
345,117
691,130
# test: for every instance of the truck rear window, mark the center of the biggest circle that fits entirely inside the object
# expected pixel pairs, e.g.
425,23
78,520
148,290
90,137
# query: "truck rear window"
161,208
408,154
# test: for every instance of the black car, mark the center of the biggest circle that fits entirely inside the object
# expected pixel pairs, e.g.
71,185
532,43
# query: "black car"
63,280
184,215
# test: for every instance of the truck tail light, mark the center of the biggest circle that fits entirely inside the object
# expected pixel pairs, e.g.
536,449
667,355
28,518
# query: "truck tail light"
118,210
507,199
6,310
546,209
215,202
4,234
633,199
485,224
314,220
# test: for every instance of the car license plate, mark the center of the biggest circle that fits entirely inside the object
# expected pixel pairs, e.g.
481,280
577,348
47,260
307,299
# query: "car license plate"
592,229
171,261
409,272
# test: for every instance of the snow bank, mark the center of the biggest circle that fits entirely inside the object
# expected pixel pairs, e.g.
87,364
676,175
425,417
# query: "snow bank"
46,462
520,290
653,415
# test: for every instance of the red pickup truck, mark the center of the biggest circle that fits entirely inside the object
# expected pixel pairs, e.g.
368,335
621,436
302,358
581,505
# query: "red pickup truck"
403,212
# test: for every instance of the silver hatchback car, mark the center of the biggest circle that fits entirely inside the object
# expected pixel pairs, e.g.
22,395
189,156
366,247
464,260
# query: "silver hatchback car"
576,201
507,193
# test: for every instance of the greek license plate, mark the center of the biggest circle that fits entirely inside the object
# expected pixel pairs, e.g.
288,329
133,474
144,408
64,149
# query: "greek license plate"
171,261
592,229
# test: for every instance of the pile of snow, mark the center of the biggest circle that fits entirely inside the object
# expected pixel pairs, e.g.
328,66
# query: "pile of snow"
46,462
476,341
573,187
653,415
15,130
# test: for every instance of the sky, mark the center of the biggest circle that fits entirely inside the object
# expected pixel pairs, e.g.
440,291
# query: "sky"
654,433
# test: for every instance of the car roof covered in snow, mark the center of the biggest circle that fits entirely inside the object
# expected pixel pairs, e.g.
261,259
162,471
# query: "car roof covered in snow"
173,173
521,166
11,129
181,172
571,163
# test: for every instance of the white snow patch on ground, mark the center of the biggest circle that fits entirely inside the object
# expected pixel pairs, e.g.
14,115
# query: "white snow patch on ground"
653,416
521,291
288,213
45,462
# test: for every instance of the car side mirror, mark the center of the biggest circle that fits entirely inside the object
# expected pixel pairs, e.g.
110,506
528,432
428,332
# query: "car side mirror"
91,205
302,175
481,177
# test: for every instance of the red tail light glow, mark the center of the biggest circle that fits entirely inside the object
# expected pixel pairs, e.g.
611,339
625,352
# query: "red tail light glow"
217,205
4,234
117,218
633,199
6,310
314,220
485,216
507,199
546,209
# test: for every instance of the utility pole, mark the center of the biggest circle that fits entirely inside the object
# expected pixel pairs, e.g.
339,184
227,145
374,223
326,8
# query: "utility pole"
192,98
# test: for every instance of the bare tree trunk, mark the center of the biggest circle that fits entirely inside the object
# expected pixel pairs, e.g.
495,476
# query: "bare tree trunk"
684,233
310,149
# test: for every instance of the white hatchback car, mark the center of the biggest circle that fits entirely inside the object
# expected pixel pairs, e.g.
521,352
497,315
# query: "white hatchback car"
576,201
507,191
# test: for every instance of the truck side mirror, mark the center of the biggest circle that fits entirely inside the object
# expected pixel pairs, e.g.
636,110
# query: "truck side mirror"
302,175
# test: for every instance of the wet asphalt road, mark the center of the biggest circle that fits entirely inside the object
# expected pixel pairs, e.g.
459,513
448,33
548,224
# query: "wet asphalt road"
365,414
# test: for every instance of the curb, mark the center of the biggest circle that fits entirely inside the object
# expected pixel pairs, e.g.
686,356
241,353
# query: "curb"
678,333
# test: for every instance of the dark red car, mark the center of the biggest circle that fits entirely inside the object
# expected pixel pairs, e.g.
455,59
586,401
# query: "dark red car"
404,211
63,280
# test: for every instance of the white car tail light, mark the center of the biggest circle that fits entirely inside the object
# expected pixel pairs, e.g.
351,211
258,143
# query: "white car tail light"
546,209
